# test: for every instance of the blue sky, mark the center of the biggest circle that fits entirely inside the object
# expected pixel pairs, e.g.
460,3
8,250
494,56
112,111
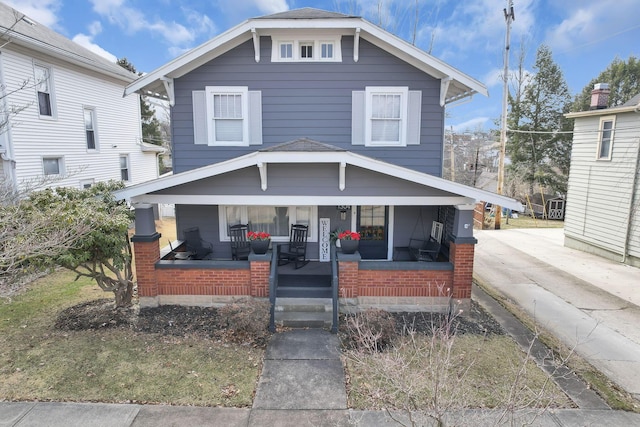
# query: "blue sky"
584,35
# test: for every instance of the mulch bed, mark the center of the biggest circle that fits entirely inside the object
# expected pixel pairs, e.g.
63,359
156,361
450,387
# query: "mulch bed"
181,321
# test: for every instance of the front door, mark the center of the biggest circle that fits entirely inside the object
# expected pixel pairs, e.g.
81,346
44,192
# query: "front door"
373,225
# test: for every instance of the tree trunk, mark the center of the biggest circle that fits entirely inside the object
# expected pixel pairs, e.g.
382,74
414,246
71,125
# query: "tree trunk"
124,294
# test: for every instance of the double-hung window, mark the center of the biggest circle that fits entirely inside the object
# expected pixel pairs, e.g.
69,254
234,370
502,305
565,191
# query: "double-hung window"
227,109
605,140
124,168
386,114
43,86
90,128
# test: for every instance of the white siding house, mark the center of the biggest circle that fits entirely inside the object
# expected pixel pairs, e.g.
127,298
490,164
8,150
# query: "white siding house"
75,127
603,201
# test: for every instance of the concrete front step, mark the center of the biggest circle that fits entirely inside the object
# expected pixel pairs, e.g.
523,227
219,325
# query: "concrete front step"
304,312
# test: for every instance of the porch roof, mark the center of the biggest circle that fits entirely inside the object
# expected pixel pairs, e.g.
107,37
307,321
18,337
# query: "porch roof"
305,151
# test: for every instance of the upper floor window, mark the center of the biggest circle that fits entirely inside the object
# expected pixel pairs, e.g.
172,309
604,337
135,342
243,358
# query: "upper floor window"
386,115
286,50
227,112
605,140
326,50
43,84
304,49
90,127
124,168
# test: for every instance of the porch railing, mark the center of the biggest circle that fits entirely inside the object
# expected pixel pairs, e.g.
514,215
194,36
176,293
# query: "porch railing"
273,286
334,289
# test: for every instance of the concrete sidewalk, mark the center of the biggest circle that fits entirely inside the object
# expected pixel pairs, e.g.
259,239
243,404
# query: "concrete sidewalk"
588,302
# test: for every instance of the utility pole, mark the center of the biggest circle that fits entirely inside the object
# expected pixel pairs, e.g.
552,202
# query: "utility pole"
509,17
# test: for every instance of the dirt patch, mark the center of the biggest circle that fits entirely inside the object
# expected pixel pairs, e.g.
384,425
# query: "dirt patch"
205,321
477,322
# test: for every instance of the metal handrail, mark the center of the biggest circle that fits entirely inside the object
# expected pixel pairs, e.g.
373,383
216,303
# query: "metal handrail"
334,289
273,286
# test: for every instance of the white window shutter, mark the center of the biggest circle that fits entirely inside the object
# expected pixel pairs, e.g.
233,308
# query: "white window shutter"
200,134
414,116
358,118
255,117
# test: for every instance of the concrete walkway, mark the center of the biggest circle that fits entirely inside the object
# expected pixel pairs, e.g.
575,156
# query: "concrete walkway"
586,301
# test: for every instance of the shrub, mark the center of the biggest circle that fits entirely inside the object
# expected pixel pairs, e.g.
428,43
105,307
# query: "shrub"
371,330
245,320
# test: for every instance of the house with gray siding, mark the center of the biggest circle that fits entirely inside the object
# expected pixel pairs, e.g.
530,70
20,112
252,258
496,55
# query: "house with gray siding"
316,118
603,199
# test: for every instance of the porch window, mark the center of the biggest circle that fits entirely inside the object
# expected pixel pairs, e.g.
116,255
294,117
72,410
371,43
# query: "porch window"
275,220
605,140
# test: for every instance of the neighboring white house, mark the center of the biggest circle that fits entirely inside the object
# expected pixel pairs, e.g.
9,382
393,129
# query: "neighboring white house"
603,201
74,126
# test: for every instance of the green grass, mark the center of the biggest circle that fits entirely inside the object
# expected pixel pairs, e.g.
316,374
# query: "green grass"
38,362
524,221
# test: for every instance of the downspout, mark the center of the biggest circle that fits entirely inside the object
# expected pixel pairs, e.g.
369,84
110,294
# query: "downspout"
632,198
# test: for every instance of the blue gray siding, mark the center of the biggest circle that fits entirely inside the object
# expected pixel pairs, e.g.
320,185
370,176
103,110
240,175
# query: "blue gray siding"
298,179
310,100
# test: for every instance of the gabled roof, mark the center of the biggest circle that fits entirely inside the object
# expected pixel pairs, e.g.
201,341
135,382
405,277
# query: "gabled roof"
306,13
297,152
158,83
16,28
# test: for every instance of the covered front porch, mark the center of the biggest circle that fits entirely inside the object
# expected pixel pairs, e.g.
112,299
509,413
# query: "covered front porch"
327,189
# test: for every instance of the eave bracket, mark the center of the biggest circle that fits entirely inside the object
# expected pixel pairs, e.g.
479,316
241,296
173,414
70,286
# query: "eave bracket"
168,87
262,167
444,88
256,44
342,180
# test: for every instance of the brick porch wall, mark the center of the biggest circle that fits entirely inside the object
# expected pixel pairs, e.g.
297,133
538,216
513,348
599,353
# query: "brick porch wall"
407,283
203,281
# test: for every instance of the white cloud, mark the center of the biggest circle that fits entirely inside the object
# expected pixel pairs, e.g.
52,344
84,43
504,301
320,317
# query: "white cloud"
592,22
42,11
133,20
87,42
473,124
271,6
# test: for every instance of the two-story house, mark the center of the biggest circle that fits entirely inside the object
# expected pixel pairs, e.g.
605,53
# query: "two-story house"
603,199
64,120
316,118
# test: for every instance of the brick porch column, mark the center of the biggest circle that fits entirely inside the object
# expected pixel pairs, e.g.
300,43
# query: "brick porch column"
260,269
348,274
146,250
461,256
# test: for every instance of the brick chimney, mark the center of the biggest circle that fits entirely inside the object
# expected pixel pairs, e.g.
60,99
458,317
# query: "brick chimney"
599,96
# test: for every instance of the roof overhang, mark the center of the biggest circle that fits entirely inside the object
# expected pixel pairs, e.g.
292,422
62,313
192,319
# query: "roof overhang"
459,85
604,111
459,195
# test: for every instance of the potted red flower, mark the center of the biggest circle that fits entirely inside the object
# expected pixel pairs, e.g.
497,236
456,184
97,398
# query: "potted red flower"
260,241
349,241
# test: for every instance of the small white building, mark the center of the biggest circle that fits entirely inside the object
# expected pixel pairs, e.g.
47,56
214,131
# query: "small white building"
64,117
603,201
